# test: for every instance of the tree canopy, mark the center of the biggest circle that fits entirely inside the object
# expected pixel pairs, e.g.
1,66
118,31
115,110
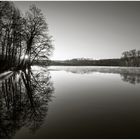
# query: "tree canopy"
24,38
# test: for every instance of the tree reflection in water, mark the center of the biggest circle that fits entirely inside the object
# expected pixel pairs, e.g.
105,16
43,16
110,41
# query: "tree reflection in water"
131,75
131,78
24,99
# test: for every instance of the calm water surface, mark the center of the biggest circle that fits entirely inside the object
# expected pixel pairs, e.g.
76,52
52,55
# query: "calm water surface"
89,102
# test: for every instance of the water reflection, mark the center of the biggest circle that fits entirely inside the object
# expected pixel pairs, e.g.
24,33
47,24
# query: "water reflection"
24,101
128,74
131,78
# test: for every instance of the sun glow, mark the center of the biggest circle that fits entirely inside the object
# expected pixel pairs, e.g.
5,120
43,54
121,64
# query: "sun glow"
24,56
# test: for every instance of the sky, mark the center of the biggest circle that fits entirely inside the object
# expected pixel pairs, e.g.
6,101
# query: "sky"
90,29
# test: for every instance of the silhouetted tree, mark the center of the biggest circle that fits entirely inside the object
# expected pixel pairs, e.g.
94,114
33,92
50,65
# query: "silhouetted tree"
10,34
23,39
131,58
38,42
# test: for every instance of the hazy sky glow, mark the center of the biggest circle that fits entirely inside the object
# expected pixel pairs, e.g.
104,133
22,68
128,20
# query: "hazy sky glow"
96,29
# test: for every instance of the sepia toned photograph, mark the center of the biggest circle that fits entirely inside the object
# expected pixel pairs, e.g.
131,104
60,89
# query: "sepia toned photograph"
70,69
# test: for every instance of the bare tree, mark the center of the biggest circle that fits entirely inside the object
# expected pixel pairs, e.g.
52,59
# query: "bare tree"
131,58
38,42
10,33
23,39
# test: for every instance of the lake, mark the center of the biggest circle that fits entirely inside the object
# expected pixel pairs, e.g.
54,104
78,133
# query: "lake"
73,102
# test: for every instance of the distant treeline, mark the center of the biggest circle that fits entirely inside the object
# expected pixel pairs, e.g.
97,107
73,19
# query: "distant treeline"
80,62
87,62
129,58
